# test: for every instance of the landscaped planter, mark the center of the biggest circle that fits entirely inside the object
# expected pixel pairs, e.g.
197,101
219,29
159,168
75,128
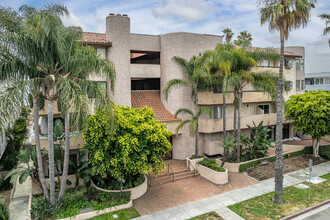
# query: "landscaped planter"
136,192
218,178
92,214
235,167
192,165
231,167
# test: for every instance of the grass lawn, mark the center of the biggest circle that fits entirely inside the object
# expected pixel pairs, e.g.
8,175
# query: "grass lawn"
122,215
296,200
207,216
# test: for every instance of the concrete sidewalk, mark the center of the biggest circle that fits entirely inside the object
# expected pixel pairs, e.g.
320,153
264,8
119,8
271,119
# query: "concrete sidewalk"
19,200
220,202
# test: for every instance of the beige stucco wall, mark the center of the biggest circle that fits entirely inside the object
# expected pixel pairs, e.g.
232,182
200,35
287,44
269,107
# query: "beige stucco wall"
145,70
118,31
144,42
184,45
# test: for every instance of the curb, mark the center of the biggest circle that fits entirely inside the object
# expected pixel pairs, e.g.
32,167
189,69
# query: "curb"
306,210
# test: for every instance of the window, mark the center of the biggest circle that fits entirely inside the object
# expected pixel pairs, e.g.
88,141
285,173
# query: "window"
216,112
302,64
102,85
297,85
302,84
288,63
310,81
327,80
297,64
145,84
265,108
289,85
318,81
265,63
217,90
145,57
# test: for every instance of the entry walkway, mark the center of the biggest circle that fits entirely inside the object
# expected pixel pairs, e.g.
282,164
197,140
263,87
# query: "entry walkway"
220,202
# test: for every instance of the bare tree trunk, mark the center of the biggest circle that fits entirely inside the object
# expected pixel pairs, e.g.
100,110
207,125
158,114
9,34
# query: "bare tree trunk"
41,173
66,158
278,196
316,147
238,157
51,166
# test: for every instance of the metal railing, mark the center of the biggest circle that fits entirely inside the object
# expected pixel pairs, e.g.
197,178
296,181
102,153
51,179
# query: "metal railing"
168,170
190,164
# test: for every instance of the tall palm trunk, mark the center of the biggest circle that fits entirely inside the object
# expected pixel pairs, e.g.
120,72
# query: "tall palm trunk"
197,132
278,196
224,127
235,121
66,158
41,173
238,156
51,146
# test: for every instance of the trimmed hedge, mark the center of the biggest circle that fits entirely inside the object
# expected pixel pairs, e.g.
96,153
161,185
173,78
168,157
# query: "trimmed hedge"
209,163
306,150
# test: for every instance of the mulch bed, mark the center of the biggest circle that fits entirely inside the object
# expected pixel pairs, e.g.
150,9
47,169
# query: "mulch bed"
290,165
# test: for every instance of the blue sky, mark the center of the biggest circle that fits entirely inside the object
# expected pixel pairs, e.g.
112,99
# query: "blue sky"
199,16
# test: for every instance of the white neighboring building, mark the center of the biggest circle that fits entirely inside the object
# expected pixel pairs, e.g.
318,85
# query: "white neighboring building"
316,81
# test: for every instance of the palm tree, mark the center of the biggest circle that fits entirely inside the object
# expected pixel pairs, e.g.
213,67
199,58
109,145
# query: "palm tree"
283,16
197,77
229,34
19,66
73,85
244,39
241,75
326,17
220,65
193,121
53,61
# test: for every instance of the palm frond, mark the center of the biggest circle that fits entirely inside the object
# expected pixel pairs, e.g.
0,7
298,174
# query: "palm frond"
202,110
174,83
181,125
184,111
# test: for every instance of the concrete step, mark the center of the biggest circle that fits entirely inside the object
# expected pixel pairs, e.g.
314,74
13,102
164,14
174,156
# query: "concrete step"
159,180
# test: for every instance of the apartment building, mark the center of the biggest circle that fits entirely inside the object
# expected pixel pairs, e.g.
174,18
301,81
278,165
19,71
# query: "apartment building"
316,81
144,65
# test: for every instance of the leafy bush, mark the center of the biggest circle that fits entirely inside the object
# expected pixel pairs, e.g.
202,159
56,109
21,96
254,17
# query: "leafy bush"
76,200
193,157
15,134
5,184
4,212
211,164
244,167
258,145
113,184
136,145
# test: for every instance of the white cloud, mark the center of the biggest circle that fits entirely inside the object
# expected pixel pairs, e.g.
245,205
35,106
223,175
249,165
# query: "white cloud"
189,10
73,20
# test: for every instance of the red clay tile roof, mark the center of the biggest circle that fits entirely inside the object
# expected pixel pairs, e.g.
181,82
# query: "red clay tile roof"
94,38
151,98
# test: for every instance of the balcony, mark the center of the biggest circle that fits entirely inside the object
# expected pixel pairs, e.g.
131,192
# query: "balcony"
44,112
76,142
145,70
210,98
215,125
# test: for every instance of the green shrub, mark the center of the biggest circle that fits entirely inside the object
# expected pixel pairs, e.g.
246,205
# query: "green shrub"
244,167
5,183
4,212
136,145
15,135
76,200
112,183
211,164
193,157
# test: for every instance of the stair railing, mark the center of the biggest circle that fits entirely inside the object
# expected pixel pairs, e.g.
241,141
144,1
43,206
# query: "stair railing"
190,164
168,170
